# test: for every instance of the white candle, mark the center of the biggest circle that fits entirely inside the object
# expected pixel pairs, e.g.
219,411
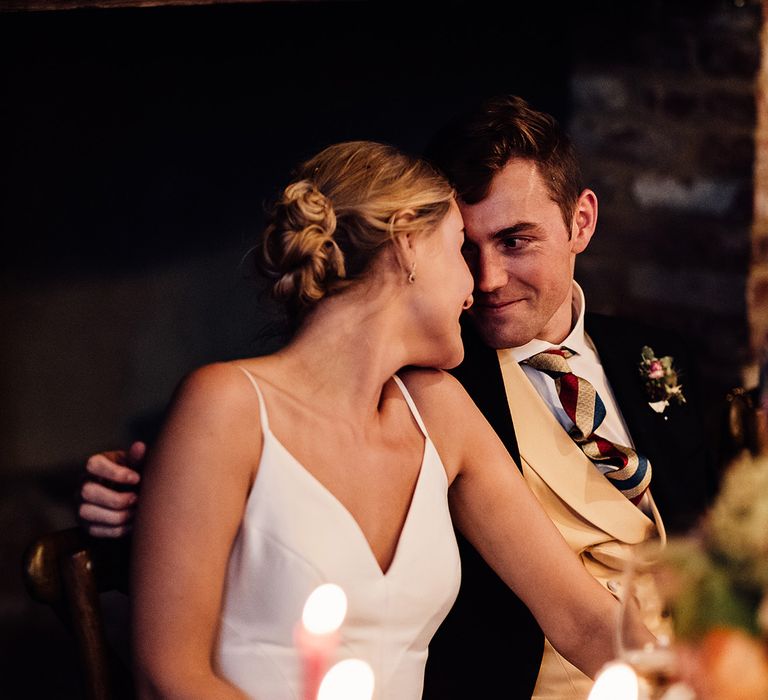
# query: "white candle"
351,679
318,633
616,681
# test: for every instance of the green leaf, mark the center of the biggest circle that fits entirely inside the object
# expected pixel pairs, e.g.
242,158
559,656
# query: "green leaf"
712,601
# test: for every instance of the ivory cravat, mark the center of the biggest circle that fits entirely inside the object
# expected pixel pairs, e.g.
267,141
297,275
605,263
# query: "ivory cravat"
585,408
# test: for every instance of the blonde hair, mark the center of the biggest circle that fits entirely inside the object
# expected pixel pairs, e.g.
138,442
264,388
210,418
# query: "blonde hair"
344,206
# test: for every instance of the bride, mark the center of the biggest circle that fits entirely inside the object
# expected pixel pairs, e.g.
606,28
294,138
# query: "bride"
336,459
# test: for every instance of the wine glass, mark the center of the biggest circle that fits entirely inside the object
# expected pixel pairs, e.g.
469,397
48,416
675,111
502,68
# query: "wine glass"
646,592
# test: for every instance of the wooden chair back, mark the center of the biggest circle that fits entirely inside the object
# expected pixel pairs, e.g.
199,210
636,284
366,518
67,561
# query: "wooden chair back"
68,570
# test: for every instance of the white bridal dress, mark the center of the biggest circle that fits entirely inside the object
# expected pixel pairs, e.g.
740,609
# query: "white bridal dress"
295,535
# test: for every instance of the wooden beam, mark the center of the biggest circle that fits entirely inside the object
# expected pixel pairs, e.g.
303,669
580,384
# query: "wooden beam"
49,5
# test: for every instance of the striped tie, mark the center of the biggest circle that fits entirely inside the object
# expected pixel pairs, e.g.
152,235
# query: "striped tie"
587,411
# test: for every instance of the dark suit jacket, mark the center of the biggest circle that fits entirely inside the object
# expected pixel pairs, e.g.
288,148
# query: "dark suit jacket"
490,645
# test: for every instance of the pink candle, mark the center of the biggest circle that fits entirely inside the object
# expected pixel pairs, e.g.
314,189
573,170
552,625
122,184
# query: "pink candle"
317,635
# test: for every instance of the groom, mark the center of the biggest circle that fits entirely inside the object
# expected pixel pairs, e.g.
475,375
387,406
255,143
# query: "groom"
527,217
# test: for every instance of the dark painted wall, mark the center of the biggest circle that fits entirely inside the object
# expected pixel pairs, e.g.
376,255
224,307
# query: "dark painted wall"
140,146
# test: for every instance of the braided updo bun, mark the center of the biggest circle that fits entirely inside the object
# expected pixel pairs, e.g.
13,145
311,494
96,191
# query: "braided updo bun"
299,245
344,206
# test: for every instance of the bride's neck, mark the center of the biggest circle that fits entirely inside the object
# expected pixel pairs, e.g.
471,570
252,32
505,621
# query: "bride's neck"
346,352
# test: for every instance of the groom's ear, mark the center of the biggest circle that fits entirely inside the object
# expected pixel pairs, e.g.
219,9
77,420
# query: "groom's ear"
584,221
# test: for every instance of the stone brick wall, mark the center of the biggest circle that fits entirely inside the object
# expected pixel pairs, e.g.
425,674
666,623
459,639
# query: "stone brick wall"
664,119
758,277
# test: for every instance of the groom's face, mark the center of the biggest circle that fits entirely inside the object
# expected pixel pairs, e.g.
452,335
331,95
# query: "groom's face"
521,257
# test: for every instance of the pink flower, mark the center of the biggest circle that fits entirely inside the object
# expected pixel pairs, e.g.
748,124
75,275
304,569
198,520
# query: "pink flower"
660,380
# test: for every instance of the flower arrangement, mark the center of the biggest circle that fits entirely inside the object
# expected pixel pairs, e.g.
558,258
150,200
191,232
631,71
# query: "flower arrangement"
724,567
660,380
717,583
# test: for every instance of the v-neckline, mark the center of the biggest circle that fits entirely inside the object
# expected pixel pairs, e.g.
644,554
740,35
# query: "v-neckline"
343,509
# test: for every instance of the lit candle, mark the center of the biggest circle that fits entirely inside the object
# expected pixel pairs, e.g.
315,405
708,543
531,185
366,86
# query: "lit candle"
318,633
616,681
351,679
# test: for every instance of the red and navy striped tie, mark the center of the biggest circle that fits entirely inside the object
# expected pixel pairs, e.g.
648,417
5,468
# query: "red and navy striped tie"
587,411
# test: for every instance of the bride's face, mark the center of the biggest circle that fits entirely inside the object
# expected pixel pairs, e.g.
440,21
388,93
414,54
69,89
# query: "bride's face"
442,289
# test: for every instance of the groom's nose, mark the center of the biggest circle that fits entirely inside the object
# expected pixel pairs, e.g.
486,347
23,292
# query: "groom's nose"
489,272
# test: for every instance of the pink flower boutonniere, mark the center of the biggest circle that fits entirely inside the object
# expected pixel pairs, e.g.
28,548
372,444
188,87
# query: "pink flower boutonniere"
660,380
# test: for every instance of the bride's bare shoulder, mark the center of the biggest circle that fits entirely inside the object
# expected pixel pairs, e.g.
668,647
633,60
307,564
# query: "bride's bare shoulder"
440,398
212,425
451,417
220,388
432,384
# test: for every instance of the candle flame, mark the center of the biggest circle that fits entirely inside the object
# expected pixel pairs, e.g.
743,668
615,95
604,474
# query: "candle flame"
325,609
351,679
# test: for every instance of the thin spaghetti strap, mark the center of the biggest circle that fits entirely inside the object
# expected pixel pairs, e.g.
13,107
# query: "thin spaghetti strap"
411,404
262,403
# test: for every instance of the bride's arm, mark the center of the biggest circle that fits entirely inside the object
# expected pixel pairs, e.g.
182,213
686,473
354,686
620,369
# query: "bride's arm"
194,492
496,511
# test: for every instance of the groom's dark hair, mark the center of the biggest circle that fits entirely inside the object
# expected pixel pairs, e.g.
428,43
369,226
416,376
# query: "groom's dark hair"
474,147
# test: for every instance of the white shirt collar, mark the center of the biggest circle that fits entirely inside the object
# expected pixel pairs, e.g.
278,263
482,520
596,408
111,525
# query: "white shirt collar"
576,339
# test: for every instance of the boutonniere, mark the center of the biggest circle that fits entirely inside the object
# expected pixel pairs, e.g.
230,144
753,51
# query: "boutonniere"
660,380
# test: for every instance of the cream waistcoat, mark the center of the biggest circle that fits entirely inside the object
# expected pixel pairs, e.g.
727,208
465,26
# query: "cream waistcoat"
600,524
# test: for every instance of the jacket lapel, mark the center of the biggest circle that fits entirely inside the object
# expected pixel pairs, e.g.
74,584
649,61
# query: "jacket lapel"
620,359
480,375
553,455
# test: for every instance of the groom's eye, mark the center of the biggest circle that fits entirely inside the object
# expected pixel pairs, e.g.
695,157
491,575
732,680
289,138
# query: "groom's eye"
512,242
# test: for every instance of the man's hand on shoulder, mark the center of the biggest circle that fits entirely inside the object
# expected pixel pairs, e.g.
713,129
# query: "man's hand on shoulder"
109,493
